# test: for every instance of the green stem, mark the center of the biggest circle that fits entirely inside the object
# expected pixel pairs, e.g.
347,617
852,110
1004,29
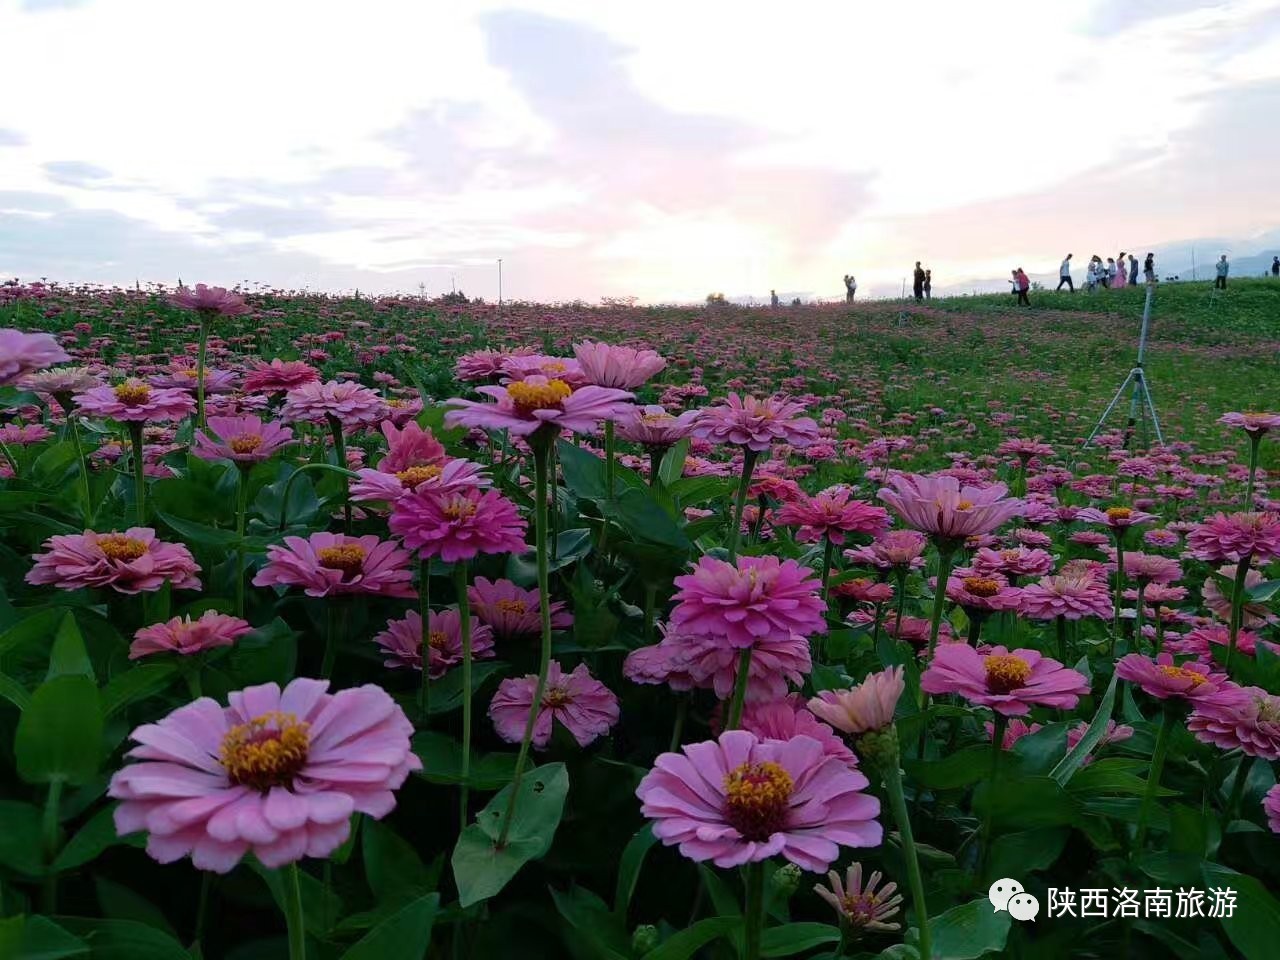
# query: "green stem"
139,475
336,626
875,630
898,803
945,554
1118,594
650,602
242,508
609,469
84,471
1061,625
288,486
734,717
542,447
975,627
8,455
51,838
1237,790
740,502
1255,441
1153,778
826,567
1237,607
293,912
200,358
202,909
997,744
677,731
1138,618
901,575
464,618
340,450
192,676
753,911
424,614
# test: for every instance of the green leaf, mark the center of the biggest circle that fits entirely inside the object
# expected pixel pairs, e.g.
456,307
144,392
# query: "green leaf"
38,626
969,931
134,684
481,870
1262,592
69,658
441,757
391,865
446,693
1018,854
1069,764
52,464
199,533
792,938
20,846
602,933
688,941
1254,926
89,841
645,520
59,735
722,898
14,692
960,769
266,655
405,935
1114,775
672,468
1027,802
120,903
320,905
629,868
38,938
301,507
125,940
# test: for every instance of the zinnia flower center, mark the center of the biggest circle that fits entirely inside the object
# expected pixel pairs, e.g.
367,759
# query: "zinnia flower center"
1006,672
758,797
245,444
1119,513
266,752
512,606
859,908
656,417
395,403
133,393
528,397
964,505
1182,673
410,478
117,546
437,640
460,509
1269,709
556,697
982,586
349,558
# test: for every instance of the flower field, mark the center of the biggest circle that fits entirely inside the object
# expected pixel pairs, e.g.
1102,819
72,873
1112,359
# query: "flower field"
350,627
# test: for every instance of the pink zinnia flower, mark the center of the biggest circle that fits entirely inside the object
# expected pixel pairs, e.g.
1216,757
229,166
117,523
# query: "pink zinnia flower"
130,562
653,426
278,376
1271,807
1251,723
868,706
1008,682
756,423
276,773
403,412
668,662
623,367
349,403
580,703
134,400
401,641
1231,537
1163,679
787,717
832,515
206,299
453,476
1114,733
459,525
1071,596
522,366
859,907
524,406
23,353
1147,567
1252,614
938,505
1090,538
863,590
895,549
485,364
1017,562
330,564
61,383
242,439
1254,424
1199,643
512,611
684,661
185,636
1014,731
981,594
758,598
24,434
410,446
740,800
1115,518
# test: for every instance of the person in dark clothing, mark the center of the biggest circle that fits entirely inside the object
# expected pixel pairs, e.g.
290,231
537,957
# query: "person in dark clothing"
1064,274
1149,268
1133,270
928,284
1275,266
1021,284
917,282
1221,269
850,287
773,298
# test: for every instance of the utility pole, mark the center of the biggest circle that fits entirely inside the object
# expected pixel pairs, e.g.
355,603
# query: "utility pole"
499,283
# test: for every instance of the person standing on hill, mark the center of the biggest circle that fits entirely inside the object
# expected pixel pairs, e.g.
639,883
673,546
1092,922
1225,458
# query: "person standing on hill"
1222,268
917,282
1021,284
1119,280
850,287
1149,268
1275,266
928,284
1064,274
1133,270
1091,276
1109,277
773,298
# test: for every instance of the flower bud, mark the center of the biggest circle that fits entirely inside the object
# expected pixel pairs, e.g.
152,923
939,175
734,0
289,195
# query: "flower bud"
879,747
786,879
644,939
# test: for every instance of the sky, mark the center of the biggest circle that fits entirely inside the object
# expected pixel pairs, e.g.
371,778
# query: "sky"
655,150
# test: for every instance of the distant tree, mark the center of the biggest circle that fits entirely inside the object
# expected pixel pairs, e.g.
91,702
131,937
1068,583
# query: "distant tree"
716,300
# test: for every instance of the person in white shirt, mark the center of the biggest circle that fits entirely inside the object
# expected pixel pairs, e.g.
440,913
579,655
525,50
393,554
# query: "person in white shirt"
1064,275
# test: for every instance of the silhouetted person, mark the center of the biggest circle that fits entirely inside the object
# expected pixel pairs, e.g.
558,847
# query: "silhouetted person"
917,282
773,298
1275,266
1064,274
850,287
1149,268
1133,270
928,284
1221,268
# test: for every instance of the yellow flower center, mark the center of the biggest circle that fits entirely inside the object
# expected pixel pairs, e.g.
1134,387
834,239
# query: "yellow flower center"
556,697
187,372
410,478
460,509
116,546
395,403
266,752
437,640
245,444
1010,554
964,505
527,397
512,606
1182,673
133,393
982,586
1269,709
657,417
1005,672
349,558
758,796
1119,513
860,908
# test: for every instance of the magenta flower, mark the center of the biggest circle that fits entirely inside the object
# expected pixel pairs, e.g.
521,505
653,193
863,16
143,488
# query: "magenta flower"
1071,596
524,406
211,300
1231,537
622,367
859,907
1199,643
1254,424
1253,614
401,641
1163,679
758,598
23,353
833,515
1115,518
1017,562
867,707
653,426
245,440
896,549
185,636
453,476
1271,807
756,423
1014,731
1147,568
787,717
580,703
940,506
24,434
1250,723
278,376
1114,733
130,562
981,594
134,400
276,773
410,446
740,800
512,611
332,564
1010,683
459,525
182,376
349,403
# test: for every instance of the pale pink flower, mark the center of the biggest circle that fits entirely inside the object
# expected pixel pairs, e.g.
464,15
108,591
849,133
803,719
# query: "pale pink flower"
684,661
1014,731
1271,807
981,594
458,525
23,353
1009,682
577,701
1147,567
1254,424
653,426
276,773
243,439
739,800
401,641
130,562
868,706
1016,562
185,636
522,366
485,364
940,506
134,401
756,423
330,564
896,549
278,376
349,403
1114,733
1253,614
1251,723
862,908
623,367
512,611
524,406
452,476
754,599
60,383
787,717
1115,518
1071,596
1163,679
1231,537
207,299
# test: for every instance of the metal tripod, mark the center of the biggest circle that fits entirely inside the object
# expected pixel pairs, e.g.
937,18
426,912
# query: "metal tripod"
1140,403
